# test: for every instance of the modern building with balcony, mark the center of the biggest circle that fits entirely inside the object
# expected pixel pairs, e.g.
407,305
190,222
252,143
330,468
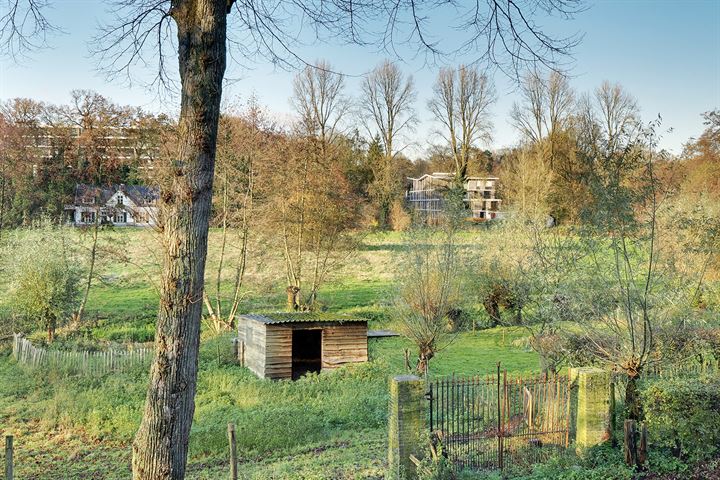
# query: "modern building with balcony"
426,196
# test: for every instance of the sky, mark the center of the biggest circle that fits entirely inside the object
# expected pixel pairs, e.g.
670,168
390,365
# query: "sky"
665,53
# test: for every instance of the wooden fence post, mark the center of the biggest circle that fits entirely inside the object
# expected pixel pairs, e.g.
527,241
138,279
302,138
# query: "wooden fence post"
642,447
233,451
8,457
630,443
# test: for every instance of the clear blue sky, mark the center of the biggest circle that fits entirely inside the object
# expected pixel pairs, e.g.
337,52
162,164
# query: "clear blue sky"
666,53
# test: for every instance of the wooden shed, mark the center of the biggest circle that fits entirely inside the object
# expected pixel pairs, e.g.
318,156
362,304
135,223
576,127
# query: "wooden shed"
288,345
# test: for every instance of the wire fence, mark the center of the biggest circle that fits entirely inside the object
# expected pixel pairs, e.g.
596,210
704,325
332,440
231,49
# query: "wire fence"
83,362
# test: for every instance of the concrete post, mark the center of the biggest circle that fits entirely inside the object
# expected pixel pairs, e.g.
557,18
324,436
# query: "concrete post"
590,407
406,425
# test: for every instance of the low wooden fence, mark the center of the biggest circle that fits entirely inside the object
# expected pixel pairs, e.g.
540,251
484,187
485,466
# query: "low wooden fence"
85,362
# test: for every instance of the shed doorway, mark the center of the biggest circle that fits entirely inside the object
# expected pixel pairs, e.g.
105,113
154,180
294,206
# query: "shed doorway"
306,352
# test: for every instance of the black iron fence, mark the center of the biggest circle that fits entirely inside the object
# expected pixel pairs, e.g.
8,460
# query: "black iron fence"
495,421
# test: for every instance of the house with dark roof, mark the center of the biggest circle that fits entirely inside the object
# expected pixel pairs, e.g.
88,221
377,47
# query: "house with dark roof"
120,205
289,345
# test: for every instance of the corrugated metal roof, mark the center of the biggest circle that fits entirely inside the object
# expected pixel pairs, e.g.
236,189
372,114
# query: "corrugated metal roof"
299,317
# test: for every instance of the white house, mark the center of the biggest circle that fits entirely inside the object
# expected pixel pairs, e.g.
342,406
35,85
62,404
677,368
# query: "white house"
121,205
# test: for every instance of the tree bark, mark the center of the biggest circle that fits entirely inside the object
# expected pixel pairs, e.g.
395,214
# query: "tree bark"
632,399
161,444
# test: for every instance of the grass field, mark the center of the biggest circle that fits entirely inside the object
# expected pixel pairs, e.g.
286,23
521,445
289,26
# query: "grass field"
328,426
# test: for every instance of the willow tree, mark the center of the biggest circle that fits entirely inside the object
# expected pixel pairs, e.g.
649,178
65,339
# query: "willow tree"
196,33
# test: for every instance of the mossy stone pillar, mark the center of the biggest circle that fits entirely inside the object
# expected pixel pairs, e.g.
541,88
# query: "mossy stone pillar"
590,407
406,425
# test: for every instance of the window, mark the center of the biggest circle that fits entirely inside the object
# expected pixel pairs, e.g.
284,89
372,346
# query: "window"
120,217
87,217
120,200
88,200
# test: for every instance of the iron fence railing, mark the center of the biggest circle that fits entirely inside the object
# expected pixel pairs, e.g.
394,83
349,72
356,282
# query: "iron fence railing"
495,421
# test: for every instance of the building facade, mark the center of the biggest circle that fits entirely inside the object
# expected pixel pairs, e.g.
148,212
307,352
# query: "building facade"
119,205
426,196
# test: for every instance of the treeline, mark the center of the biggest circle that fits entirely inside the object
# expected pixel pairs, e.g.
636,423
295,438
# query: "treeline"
569,141
47,149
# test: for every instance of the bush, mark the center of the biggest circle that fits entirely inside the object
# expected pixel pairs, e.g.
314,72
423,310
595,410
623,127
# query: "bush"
683,415
46,286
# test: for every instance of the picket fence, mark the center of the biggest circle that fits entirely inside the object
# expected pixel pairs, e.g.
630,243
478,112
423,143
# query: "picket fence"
84,362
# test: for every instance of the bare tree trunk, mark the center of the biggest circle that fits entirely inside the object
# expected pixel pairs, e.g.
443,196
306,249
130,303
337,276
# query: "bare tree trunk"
2,198
293,298
425,354
51,325
161,444
91,271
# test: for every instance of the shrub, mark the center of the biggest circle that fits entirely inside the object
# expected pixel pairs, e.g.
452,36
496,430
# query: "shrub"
400,219
45,286
683,415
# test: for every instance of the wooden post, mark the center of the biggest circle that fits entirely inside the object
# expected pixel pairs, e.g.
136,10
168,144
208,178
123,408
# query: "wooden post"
630,443
233,451
642,454
8,457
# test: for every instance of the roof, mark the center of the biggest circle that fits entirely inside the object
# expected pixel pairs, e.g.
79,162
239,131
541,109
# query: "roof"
448,176
141,195
301,317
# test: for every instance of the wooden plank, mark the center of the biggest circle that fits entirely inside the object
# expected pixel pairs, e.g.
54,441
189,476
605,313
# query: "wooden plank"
343,344
278,352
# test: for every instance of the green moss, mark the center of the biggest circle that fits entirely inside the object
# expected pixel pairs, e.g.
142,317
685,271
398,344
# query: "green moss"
591,405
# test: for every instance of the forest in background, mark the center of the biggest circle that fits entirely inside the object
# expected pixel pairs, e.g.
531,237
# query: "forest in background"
351,143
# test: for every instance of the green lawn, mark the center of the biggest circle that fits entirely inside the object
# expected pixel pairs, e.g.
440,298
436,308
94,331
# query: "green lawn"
331,425
328,426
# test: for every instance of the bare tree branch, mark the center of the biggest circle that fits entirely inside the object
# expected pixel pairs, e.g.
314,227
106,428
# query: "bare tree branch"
24,27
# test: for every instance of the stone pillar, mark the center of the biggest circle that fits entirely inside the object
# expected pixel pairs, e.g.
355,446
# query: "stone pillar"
590,407
407,425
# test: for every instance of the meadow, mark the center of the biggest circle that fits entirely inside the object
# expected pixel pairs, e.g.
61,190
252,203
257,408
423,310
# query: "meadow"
332,425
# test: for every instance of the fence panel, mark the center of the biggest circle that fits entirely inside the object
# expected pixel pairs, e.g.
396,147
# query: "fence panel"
85,362
492,422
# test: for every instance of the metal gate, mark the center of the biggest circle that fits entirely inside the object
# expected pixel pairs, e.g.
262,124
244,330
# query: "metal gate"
494,421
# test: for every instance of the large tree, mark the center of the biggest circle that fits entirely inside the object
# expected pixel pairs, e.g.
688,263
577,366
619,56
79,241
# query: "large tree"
311,200
461,102
546,106
387,107
144,31
244,141
702,156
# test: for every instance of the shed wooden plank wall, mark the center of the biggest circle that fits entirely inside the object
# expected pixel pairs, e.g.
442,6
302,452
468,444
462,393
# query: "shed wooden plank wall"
278,352
344,344
253,335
